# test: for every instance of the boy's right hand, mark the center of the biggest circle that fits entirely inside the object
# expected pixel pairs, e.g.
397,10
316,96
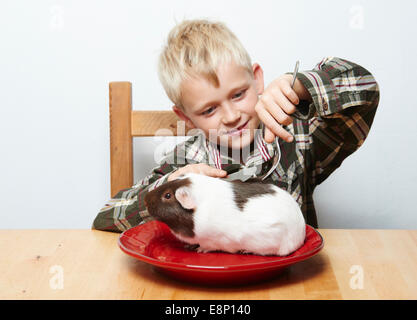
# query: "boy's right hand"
200,168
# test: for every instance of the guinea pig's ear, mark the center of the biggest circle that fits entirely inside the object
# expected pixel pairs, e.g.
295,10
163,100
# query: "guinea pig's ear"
185,198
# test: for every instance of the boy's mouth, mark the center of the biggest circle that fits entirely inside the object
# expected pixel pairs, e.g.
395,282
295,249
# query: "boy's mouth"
237,131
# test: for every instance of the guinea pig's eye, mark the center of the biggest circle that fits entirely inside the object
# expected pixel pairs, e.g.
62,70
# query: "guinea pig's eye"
167,195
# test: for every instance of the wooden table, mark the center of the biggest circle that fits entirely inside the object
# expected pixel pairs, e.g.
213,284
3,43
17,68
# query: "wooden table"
88,264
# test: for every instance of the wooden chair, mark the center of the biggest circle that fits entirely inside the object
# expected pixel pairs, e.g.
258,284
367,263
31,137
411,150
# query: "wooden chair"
126,123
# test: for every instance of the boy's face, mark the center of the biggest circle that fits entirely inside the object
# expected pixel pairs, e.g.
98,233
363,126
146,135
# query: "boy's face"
226,114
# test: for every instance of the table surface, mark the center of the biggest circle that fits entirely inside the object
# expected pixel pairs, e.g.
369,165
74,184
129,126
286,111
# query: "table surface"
88,264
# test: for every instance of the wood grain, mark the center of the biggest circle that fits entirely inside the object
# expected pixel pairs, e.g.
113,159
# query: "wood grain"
157,123
94,267
126,123
121,148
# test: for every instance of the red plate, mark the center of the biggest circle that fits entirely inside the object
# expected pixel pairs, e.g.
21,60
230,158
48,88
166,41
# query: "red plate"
154,243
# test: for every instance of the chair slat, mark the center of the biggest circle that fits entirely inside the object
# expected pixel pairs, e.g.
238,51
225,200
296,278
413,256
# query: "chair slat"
125,124
157,123
121,148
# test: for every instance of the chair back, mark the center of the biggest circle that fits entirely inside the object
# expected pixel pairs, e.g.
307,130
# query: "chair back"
125,124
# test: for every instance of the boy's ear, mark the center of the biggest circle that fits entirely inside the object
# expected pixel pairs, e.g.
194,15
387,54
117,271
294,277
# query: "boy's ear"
258,75
183,117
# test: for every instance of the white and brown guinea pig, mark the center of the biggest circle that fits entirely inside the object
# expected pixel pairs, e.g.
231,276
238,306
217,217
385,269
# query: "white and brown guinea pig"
230,216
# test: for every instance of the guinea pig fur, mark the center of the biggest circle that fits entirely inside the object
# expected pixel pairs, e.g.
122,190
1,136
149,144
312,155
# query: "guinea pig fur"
230,216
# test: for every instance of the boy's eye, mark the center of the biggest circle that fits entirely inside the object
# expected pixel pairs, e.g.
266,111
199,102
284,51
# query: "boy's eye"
208,111
238,95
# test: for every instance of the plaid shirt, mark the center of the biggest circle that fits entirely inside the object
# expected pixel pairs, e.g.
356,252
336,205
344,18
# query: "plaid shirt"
345,97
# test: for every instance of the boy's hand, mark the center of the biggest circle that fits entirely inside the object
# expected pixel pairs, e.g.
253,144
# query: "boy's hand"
277,103
200,168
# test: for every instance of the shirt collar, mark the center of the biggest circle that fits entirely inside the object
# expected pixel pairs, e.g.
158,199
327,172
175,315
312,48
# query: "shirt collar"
262,152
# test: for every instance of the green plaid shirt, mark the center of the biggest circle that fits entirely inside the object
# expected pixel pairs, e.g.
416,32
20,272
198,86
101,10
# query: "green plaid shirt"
345,97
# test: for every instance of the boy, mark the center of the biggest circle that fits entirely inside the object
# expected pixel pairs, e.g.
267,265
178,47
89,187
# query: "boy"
216,89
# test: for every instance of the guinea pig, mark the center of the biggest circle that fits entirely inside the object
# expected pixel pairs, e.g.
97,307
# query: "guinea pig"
230,216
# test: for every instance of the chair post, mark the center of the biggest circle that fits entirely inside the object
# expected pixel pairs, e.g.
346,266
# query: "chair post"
121,142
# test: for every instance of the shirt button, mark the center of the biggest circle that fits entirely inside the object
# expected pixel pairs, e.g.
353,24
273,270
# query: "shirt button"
324,103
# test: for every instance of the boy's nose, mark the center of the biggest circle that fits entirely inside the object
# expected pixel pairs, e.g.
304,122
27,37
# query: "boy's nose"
230,114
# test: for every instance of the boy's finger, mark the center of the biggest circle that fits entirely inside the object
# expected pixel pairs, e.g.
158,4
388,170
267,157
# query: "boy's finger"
282,133
274,127
214,172
269,135
273,105
289,92
221,173
286,104
276,111
281,117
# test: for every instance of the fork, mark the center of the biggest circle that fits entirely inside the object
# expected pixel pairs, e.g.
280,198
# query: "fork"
248,173
277,156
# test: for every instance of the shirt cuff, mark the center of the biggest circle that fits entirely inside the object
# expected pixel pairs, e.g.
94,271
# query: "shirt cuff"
323,94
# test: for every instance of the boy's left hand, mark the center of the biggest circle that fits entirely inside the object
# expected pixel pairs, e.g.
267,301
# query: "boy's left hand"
277,103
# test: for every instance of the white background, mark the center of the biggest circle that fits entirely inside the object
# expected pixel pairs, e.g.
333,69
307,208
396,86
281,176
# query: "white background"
57,58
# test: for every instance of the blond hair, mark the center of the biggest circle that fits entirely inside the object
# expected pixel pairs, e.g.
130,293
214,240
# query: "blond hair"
197,48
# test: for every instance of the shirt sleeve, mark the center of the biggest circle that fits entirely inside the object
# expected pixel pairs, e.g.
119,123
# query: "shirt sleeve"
127,209
345,97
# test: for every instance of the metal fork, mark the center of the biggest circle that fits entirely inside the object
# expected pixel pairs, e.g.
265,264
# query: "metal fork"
277,156
248,173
